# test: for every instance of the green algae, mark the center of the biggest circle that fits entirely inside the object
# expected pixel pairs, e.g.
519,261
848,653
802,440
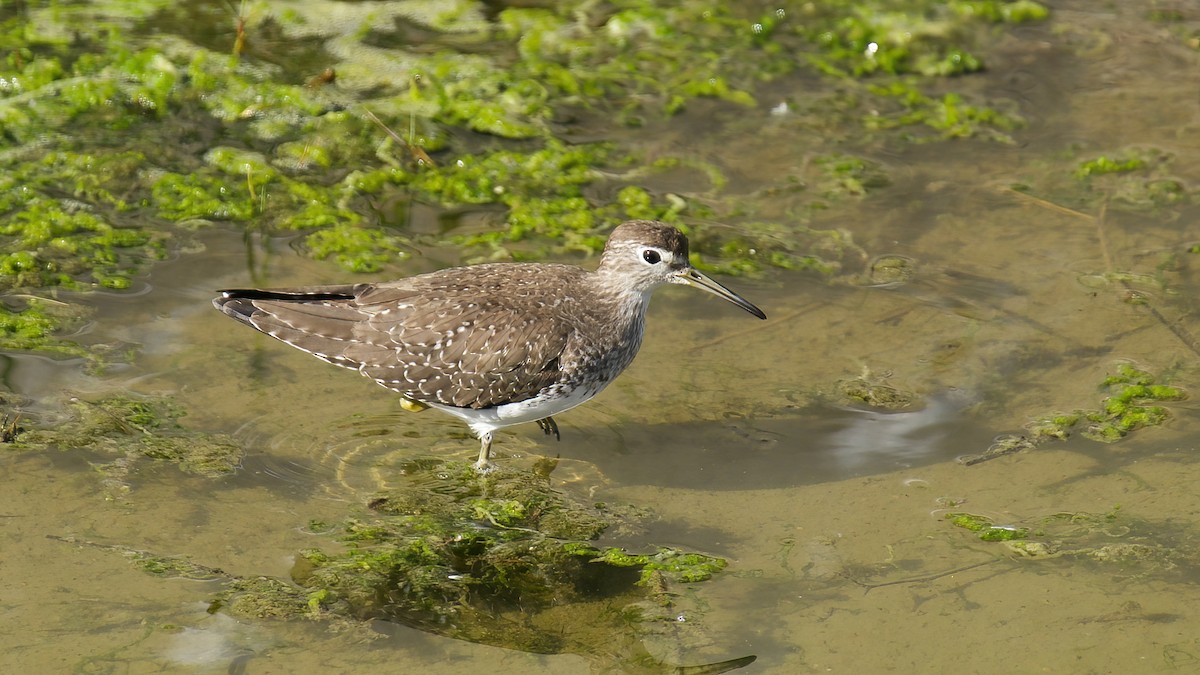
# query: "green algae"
928,38
666,562
456,540
503,559
261,598
759,245
188,197
354,248
873,391
161,566
639,55
35,324
1133,179
1139,179
150,563
1104,165
1130,402
985,528
121,430
889,271
68,72
907,108
62,211
71,242
845,175
1114,541
1130,405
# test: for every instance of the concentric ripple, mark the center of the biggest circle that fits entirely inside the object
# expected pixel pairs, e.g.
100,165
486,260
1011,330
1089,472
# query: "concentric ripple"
364,454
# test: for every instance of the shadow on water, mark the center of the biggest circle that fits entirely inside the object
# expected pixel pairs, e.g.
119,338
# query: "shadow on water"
818,445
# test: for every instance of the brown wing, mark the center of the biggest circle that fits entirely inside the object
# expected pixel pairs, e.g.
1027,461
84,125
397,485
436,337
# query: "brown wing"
470,355
423,342
316,320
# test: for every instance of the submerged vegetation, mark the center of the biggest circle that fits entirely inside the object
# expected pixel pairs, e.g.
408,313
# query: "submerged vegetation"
453,541
1122,544
1133,179
33,323
124,131
985,528
503,560
1131,402
121,431
218,127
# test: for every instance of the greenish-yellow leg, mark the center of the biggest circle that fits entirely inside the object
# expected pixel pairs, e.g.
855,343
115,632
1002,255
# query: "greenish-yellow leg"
484,464
549,426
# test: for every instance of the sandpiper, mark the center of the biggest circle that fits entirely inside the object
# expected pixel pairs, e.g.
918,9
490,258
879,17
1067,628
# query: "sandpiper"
496,344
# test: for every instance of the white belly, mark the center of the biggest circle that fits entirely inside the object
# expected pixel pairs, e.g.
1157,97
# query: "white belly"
487,420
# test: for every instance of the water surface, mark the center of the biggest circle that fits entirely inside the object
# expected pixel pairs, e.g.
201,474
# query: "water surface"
733,435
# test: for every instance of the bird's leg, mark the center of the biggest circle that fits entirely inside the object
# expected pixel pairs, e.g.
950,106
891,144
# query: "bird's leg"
484,464
549,426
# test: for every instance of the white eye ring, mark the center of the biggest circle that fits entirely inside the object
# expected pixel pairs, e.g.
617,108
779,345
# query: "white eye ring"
651,256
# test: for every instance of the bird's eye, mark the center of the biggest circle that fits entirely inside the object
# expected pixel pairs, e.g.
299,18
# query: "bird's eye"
651,256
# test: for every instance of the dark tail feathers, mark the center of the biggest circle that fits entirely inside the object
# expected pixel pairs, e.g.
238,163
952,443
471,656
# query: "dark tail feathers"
292,294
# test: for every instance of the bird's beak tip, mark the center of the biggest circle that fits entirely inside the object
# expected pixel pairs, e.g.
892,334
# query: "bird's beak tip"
693,277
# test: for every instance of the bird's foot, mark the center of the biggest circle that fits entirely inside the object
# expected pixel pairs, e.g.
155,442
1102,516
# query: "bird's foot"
549,426
483,467
411,405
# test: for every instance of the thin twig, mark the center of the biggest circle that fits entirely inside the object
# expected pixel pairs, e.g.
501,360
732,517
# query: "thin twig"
924,577
1046,204
1100,236
418,154
1180,332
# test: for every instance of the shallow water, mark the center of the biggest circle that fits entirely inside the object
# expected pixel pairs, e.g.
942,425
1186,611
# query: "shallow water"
730,432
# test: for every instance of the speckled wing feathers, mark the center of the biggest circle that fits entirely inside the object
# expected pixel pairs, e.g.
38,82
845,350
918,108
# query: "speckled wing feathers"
462,340
466,340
